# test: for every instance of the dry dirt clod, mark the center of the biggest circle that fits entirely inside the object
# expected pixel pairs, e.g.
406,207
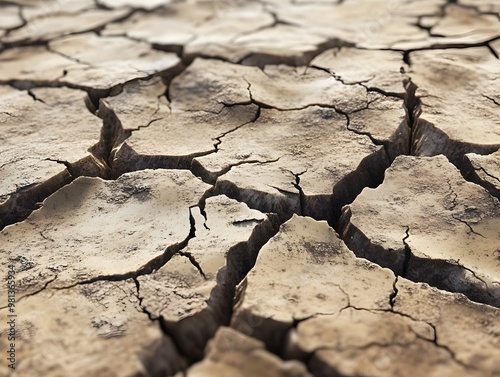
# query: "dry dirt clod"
46,134
193,292
437,228
191,188
459,88
306,267
96,329
231,353
483,170
91,221
366,322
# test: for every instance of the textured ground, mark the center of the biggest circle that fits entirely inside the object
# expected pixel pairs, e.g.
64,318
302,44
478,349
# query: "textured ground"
250,188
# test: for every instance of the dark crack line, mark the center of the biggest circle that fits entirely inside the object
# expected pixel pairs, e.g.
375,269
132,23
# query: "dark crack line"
488,174
276,21
68,165
161,322
43,288
45,237
20,15
309,55
321,105
246,162
455,196
202,204
408,253
364,133
146,125
473,273
35,98
218,139
435,337
445,347
246,221
148,268
339,78
383,92
447,46
194,262
69,57
33,40
491,99
296,184
454,204
394,294
282,191
468,226
140,299
183,296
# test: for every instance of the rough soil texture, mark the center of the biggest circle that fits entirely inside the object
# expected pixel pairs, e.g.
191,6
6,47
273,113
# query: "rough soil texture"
250,188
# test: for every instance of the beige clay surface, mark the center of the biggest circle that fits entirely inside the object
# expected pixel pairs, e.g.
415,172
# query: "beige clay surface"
277,188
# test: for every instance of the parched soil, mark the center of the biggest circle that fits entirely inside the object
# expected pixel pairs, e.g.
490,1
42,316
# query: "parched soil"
269,188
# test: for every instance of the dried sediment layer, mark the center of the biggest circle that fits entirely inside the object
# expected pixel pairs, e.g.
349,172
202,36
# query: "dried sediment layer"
149,134
88,61
193,292
483,170
304,153
428,224
230,353
460,112
44,22
46,135
343,315
95,329
285,106
97,230
307,269
291,162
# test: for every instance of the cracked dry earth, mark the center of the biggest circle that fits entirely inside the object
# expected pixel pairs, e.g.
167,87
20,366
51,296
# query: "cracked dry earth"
251,188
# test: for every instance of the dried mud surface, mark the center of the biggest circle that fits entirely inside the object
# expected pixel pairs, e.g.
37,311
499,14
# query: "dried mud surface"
250,188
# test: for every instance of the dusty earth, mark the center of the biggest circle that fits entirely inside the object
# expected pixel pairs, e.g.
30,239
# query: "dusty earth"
249,188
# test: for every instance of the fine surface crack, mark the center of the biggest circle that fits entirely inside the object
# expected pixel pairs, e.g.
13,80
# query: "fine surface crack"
408,253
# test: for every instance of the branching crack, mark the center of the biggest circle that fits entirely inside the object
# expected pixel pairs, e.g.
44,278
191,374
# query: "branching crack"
140,299
445,347
193,261
68,165
246,162
296,184
417,335
150,267
447,46
488,174
454,204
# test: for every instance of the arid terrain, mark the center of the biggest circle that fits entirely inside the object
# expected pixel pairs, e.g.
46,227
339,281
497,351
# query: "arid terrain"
269,188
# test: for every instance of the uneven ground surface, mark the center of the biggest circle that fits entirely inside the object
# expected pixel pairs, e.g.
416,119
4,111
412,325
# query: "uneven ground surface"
250,188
